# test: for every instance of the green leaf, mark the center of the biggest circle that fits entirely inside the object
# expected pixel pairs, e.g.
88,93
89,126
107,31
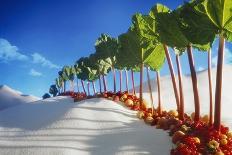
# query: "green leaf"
65,73
138,46
157,57
158,8
182,27
220,13
58,82
179,51
128,47
168,29
77,69
228,35
106,48
196,25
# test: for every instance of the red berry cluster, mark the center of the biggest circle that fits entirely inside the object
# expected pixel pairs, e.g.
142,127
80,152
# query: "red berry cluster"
190,138
77,96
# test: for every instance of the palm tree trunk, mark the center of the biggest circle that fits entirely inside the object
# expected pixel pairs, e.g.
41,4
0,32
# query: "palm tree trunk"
150,90
120,74
100,87
159,93
104,82
64,86
88,88
133,81
172,76
78,90
194,83
114,76
210,90
71,86
59,91
127,89
82,83
94,90
181,106
218,92
141,85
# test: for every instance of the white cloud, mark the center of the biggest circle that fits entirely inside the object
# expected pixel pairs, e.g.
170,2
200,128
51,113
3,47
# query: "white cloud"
39,59
33,72
200,68
227,58
9,52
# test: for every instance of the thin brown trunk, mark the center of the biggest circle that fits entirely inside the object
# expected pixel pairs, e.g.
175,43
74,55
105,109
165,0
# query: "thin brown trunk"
94,90
218,92
141,85
64,86
172,76
120,74
150,90
78,90
62,89
104,82
159,93
127,81
133,82
71,86
181,92
100,87
210,90
88,88
114,75
82,83
194,83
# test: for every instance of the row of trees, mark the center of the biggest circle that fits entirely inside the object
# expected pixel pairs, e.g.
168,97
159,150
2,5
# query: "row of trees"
195,24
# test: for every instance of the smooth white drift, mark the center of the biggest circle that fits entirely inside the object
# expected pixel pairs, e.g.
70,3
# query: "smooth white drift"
10,97
168,97
58,126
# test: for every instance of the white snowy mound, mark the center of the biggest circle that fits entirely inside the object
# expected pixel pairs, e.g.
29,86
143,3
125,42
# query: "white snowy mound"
10,97
168,98
58,126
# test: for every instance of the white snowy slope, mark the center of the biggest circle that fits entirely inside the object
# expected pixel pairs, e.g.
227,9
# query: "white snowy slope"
10,97
58,126
168,98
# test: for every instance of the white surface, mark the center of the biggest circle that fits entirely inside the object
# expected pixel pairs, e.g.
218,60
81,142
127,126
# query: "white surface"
58,126
10,97
168,98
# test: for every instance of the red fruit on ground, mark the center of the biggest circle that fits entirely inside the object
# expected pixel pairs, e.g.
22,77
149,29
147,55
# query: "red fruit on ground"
116,98
129,103
177,136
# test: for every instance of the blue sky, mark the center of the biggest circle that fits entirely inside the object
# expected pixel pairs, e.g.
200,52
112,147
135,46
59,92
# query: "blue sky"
38,37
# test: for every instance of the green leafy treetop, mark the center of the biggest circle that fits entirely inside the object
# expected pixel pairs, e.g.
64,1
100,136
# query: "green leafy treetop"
220,14
106,48
45,96
172,30
53,90
138,47
101,65
59,82
65,73
88,70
